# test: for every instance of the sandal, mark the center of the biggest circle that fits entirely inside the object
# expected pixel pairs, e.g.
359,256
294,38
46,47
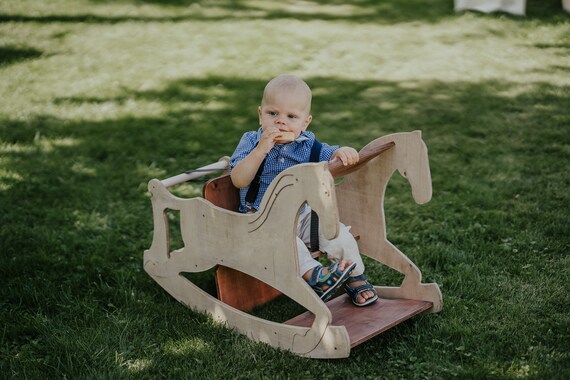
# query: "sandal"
333,279
356,292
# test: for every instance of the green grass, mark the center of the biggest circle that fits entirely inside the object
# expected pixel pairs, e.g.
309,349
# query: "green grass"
98,97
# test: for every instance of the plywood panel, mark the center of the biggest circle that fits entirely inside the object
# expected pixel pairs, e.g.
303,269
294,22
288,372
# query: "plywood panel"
363,323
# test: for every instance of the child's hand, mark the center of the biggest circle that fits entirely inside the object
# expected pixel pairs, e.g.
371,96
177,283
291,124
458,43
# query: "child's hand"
268,138
347,155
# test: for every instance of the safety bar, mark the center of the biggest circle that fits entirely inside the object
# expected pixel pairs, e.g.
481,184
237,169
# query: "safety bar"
222,164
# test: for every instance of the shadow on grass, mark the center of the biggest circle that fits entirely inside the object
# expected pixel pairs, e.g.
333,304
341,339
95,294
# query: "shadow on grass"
359,12
77,218
87,173
64,163
12,54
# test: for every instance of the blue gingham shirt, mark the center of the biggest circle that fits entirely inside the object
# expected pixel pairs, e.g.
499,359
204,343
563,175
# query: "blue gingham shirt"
279,158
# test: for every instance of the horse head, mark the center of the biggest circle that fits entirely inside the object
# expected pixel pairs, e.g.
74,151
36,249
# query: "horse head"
412,163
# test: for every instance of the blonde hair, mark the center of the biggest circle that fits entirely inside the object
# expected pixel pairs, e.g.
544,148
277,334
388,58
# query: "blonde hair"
287,83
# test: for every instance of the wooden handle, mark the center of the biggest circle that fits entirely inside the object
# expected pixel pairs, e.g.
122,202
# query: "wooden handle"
337,169
223,164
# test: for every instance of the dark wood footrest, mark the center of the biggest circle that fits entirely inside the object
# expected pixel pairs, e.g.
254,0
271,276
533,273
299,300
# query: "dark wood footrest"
363,323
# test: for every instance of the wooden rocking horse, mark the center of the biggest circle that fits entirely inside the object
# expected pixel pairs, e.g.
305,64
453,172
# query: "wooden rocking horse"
260,248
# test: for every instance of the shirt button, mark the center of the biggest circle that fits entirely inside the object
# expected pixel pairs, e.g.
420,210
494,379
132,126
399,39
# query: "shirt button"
282,160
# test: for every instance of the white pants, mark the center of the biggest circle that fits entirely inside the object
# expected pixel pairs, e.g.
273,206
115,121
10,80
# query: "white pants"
344,247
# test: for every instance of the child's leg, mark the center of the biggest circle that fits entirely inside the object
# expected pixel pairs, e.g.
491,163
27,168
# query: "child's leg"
325,281
306,261
343,247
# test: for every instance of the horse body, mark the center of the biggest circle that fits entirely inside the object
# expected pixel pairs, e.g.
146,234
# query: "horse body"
262,245
361,205
247,242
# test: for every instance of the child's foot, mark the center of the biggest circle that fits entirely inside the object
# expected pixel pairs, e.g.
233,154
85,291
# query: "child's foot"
325,281
360,290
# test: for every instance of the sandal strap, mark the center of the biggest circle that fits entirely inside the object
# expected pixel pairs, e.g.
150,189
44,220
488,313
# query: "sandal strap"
352,279
355,292
358,289
315,275
333,280
317,278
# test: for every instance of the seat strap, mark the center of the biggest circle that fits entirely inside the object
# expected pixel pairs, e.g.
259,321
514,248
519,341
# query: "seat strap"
253,190
315,151
315,155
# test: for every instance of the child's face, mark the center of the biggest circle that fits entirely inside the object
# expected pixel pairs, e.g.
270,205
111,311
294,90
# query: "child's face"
286,112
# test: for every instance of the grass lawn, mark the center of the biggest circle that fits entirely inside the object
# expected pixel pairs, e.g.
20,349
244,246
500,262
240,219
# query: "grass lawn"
99,97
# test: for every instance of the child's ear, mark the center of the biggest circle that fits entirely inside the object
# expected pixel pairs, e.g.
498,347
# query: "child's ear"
259,113
307,122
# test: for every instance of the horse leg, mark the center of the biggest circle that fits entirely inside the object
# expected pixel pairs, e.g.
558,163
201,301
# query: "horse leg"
411,287
162,200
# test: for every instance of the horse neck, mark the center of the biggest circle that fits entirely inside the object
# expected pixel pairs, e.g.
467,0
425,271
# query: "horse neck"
407,145
289,191
284,196
412,162
395,159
